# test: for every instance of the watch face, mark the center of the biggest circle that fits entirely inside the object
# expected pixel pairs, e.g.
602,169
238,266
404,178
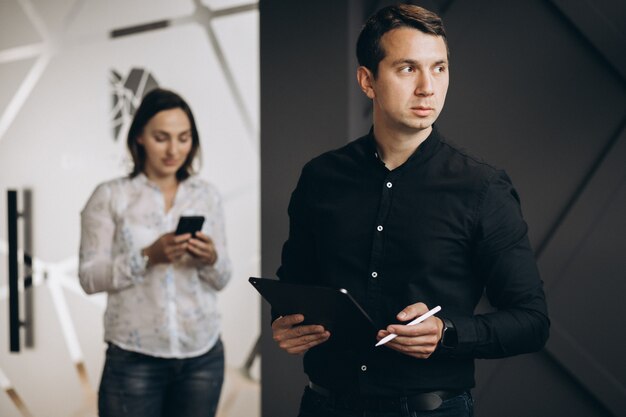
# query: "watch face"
449,338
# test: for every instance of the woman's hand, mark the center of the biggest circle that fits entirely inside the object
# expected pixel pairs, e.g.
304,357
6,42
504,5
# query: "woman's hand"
202,248
168,248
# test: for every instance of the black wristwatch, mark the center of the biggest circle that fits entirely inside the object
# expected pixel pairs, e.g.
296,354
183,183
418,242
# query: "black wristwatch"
449,338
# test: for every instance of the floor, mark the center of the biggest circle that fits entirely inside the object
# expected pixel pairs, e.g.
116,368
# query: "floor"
241,396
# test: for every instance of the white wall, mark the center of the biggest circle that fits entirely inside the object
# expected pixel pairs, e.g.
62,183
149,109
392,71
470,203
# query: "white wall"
56,58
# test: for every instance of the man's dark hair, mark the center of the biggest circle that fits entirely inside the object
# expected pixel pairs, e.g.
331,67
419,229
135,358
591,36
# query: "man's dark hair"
369,50
155,101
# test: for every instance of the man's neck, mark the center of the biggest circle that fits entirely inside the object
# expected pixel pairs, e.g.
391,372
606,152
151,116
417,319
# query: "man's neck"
395,148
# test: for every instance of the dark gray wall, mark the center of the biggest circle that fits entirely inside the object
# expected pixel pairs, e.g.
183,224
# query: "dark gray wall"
304,111
538,87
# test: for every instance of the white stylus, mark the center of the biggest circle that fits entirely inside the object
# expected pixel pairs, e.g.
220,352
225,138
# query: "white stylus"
411,323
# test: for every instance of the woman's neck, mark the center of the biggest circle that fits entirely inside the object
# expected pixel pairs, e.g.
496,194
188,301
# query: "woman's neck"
168,186
164,182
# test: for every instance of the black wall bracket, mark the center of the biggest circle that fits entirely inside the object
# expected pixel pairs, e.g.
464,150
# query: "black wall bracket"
26,215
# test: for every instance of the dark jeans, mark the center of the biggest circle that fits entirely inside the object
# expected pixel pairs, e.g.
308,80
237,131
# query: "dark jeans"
145,386
316,405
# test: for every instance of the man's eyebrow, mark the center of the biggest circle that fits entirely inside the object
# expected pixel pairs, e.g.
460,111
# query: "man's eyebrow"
416,63
404,61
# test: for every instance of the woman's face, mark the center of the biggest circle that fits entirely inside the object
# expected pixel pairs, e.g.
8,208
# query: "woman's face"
167,140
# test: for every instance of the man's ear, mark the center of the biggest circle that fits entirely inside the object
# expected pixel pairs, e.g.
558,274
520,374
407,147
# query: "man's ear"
366,81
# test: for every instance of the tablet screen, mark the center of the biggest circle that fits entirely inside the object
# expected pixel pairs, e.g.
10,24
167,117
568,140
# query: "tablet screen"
335,309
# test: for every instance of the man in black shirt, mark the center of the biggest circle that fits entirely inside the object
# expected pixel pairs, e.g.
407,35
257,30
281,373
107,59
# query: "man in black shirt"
406,221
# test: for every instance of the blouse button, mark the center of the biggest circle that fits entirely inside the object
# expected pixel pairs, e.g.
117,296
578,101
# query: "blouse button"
363,368
389,185
374,274
379,228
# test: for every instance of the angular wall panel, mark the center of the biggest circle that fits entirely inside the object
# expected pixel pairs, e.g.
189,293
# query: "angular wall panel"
16,29
12,75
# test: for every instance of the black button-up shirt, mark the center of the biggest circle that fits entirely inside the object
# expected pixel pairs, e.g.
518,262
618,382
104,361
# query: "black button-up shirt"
439,229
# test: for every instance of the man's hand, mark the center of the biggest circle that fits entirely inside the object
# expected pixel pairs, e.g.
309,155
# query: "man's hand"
297,339
420,340
168,248
202,248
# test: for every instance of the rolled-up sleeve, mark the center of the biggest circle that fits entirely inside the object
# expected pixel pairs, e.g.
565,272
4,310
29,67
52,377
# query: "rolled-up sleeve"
100,267
218,274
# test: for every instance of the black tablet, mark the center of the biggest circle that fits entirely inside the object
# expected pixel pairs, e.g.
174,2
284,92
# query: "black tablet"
335,309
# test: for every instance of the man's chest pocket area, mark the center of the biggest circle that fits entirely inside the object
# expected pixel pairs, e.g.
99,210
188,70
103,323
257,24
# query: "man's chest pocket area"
341,229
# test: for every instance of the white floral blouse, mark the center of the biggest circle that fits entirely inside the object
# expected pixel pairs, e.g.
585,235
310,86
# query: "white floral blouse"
166,310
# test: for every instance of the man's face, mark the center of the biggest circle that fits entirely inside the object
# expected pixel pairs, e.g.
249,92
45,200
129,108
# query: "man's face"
410,88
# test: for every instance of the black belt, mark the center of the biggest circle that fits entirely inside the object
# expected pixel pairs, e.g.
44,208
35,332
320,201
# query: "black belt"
424,401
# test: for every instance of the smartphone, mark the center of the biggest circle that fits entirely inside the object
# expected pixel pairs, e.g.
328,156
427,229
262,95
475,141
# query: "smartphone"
189,224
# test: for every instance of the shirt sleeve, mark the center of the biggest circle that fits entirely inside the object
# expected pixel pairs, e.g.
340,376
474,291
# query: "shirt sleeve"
298,260
504,260
102,266
218,274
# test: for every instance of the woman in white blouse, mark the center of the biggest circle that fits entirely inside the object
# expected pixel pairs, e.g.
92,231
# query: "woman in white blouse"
164,355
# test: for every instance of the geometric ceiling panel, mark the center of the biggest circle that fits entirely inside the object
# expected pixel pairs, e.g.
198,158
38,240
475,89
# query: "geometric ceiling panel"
15,26
223,4
241,55
56,14
99,17
12,74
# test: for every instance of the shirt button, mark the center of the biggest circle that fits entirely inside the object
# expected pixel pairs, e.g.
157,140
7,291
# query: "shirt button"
389,185
374,274
379,228
363,368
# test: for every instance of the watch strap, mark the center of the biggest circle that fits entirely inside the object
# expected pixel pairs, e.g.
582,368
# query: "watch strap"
449,337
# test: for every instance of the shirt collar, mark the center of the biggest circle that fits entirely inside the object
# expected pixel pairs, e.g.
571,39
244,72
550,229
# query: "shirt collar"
423,152
143,179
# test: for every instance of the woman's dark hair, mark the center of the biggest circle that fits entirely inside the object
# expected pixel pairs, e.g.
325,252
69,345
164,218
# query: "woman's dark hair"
155,101
369,51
